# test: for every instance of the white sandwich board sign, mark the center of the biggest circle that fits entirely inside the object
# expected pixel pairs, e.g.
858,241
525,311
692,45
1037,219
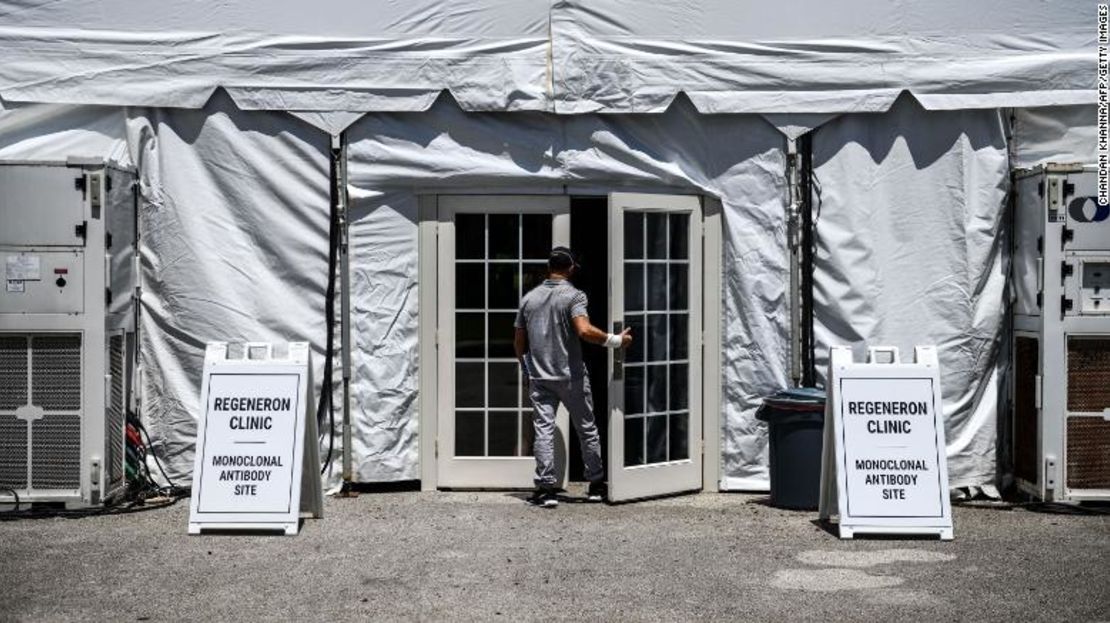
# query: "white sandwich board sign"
884,468
257,461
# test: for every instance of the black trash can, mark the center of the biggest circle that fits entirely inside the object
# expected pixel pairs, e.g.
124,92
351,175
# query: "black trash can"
795,421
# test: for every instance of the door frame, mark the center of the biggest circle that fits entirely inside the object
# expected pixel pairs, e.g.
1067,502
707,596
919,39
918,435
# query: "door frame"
427,322
495,471
667,477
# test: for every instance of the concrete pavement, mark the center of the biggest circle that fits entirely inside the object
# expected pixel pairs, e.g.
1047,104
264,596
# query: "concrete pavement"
488,556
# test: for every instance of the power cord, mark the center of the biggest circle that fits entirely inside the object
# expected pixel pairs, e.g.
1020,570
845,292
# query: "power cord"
329,312
1052,508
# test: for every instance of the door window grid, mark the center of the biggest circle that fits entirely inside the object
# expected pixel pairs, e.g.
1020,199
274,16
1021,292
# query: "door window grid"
526,259
674,421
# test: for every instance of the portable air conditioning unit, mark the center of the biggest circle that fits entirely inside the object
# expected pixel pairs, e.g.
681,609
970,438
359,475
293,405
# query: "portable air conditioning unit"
1061,335
67,330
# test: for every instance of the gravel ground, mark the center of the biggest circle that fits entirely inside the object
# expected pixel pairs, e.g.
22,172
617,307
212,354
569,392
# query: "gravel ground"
489,556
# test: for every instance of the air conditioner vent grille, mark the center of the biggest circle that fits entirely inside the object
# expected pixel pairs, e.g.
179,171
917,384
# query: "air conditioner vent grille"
13,452
115,409
56,372
13,372
1088,374
1088,451
1025,408
56,451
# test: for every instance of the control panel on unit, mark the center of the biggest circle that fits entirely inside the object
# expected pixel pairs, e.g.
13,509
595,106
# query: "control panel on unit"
1085,242
1094,292
43,239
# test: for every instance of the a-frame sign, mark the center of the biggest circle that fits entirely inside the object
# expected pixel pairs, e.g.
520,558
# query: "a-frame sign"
884,469
257,463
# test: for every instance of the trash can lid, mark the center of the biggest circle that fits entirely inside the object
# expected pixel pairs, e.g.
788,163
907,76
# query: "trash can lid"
792,402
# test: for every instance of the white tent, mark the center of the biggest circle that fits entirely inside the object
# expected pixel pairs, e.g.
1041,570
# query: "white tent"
918,114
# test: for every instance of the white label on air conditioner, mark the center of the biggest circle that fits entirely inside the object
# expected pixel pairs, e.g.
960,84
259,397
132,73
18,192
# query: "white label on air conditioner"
23,268
16,285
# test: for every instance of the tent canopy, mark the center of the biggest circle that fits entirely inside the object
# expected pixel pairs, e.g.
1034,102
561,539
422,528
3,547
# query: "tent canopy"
569,56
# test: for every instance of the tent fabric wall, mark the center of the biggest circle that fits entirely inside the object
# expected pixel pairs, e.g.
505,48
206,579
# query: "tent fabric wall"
1054,134
234,210
910,251
566,56
392,157
234,222
235,203
384,363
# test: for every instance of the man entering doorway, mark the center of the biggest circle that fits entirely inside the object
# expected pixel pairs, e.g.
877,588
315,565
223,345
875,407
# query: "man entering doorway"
551,321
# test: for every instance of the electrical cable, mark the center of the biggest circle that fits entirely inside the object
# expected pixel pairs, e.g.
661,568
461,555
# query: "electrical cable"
1052,508
150,445
329,313
140,483
133,507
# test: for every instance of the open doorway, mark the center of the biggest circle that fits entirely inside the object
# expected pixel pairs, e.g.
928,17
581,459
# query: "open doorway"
589,238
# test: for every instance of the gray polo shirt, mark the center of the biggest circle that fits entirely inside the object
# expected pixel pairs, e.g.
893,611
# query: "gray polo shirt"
554,349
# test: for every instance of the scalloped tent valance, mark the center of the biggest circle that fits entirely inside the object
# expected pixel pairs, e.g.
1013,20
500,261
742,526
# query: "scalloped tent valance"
574,56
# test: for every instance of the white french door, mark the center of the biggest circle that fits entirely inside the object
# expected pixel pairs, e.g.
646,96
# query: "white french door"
491,250
655,268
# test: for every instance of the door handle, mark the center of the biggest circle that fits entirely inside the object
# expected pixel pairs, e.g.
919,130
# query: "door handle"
618,353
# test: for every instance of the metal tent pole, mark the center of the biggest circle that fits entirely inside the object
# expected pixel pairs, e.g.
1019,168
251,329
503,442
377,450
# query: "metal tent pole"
340,151
794,244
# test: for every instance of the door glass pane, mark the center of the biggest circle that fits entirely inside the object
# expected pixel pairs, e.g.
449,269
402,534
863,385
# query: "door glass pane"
680,236
504,236
470,433
470,336
678,286
635,352
469,384
470,236
634,441
633,235
657,286
656,238
504,286
679,336
633,390
503,390
501,335
656,438
656,337
503,433
657,372
679,434
633,287
470,286
679,387
656,389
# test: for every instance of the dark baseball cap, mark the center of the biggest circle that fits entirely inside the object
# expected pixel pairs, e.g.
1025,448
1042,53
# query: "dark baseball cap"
562,257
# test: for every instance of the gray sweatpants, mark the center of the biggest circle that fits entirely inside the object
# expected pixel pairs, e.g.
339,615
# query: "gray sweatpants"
575,394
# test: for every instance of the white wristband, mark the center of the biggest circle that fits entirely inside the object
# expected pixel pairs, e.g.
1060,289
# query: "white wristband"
613,341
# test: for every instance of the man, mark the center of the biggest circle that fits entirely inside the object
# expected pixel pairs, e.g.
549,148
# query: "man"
551,321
